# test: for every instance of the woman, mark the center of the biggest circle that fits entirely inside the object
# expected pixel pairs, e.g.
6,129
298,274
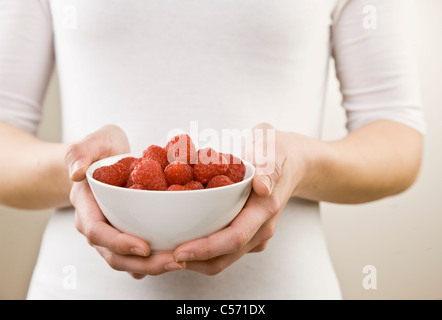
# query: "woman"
146,67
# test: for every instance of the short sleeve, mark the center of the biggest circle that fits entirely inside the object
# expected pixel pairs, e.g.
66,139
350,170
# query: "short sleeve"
375,47
26,61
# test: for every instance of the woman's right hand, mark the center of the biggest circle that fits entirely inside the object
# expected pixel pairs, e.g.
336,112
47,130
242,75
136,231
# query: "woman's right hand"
121,251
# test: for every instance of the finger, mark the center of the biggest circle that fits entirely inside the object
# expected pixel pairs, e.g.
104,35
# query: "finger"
260,247
257,244
230,239
263,236
266,179
215,265
81,155
100,233
153,265
137,276
263,185
261,150
102,143
91,223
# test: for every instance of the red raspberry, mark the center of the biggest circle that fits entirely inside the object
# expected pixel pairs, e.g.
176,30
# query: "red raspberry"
134,163
156,153
115,174
219,181
176,187
137,187
237,169
130,182
127,161
178,173
210,164
149,174
181,148
194,185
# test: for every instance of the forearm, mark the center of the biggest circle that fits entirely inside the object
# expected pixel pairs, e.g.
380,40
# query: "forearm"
378,160
33,174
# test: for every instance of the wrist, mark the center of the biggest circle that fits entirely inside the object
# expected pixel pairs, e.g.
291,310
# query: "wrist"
310,161
56,171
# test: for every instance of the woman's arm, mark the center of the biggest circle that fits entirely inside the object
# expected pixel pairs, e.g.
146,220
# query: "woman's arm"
377,160
374,161
33,174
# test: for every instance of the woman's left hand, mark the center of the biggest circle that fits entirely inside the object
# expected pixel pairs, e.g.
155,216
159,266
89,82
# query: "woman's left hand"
380,159
253,227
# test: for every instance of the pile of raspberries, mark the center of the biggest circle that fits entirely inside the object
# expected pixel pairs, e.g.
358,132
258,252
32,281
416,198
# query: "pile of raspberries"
176,167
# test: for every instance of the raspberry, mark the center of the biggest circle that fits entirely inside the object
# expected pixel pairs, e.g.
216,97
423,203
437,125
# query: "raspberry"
209,155
236,170
181,148
149,174
178,173
194,185
156,153
176,187
115,174
219,181
134,163
137,187
210,164
130,182
127,161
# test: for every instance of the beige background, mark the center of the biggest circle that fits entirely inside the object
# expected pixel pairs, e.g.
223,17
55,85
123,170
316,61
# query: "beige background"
401,236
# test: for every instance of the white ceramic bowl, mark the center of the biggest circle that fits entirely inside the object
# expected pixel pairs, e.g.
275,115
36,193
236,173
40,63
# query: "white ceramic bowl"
166,219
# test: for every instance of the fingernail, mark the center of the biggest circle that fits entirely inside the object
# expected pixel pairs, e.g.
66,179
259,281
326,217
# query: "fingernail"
185,256
268,183
76,166
172,266
138,252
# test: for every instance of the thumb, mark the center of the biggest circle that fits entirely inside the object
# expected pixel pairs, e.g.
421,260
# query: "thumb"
107,141
78,158
260,149
263,184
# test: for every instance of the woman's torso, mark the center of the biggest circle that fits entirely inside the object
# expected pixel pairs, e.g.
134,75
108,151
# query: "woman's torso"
154,66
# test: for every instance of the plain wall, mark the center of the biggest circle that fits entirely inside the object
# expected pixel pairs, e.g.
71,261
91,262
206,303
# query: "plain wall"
21,230
400,236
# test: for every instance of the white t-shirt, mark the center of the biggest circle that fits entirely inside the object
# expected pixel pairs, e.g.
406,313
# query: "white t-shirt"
150,66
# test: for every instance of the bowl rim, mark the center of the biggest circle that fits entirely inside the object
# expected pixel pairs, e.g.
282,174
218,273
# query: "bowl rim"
90,169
